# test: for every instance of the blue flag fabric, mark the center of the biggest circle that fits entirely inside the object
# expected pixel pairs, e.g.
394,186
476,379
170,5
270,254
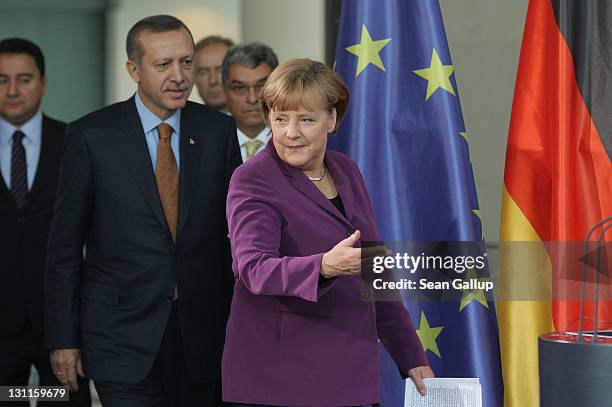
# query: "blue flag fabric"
405,130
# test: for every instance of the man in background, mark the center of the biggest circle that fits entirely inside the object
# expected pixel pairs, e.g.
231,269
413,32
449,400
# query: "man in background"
245,70
143,185
209,55
31,146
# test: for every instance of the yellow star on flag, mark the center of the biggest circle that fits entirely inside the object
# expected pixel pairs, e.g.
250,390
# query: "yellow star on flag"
368,51
437,76
428,335
467,295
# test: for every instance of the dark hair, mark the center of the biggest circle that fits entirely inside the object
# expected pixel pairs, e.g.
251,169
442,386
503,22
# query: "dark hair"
23,46
158,24
250,55
214,39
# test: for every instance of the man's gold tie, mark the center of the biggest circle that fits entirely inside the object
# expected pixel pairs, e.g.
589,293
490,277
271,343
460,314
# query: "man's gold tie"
167,177
252,146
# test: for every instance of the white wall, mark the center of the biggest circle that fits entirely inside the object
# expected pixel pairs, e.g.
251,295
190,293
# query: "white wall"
203,17
485,38
293,28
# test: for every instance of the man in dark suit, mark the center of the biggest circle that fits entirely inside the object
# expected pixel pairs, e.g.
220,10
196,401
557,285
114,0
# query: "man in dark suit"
31,147
143,187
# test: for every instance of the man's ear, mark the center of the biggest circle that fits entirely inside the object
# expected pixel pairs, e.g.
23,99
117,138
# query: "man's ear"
133,70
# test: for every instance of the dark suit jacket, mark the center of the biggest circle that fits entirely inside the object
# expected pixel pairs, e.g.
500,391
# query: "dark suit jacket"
23,237
116,305
292,341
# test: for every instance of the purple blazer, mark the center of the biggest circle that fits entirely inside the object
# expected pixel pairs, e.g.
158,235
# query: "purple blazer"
291,341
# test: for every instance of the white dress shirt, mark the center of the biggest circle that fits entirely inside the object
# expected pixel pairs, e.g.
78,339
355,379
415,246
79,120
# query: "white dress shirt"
31,144
149,125
263,136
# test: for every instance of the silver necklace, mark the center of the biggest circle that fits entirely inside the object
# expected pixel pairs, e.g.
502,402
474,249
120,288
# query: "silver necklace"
319,178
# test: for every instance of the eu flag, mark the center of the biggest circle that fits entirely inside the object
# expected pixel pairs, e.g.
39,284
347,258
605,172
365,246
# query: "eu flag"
405,130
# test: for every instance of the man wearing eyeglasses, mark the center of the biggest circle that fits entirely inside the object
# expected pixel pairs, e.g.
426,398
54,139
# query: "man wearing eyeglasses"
245,70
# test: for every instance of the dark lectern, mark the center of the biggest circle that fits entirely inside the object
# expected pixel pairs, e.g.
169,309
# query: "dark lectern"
576,369
574,373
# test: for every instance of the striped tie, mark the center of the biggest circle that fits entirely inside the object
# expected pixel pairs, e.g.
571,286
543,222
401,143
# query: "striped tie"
19,172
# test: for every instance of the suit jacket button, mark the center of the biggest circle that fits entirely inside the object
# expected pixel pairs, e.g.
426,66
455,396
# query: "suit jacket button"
22,219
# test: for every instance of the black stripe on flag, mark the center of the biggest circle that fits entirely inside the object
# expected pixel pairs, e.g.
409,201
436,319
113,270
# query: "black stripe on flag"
586,26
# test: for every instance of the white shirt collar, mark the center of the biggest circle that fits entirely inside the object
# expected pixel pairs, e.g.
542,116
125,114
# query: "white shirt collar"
150,121
32,129
262,136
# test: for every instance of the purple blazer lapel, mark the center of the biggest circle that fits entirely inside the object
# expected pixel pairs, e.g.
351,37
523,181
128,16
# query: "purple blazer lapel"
300,182
343,184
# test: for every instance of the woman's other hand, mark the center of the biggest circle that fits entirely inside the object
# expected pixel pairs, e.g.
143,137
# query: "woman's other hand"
417,375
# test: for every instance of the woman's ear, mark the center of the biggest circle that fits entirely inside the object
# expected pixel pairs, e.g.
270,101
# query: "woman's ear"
332,122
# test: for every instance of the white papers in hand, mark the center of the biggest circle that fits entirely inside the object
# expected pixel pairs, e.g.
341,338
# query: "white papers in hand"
445,392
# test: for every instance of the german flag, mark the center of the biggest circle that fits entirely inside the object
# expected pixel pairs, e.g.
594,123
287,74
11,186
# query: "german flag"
558,174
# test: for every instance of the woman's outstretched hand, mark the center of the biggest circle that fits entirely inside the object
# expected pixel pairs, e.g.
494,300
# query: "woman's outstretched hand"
343,259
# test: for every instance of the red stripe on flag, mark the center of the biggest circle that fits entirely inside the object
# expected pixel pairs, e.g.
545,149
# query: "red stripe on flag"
557,170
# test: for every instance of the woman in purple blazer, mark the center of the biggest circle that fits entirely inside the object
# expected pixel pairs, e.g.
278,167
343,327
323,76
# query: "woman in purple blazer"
299,331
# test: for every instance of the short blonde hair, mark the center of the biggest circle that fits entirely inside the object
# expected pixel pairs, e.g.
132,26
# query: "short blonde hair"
307,83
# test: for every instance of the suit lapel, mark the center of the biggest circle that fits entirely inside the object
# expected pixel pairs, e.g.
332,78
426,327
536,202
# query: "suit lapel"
6,193
310,191
133,147
191,147
342,184
48,152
